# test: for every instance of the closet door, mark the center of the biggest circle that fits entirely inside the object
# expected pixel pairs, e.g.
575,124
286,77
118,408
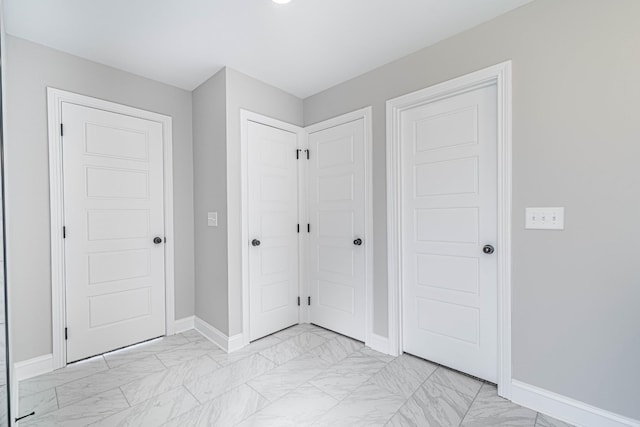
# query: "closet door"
337,253
273,235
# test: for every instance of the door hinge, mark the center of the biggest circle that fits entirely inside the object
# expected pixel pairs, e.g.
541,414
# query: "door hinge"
307,151
66,334
298,154
64,232
308,300
298,228
298,301
61,129
308,228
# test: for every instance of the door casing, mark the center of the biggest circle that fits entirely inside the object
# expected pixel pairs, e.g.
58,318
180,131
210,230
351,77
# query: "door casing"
55,98
500,75
371,339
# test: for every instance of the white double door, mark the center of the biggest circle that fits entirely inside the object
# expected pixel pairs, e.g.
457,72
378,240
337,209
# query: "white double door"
306,227
449,217
113,210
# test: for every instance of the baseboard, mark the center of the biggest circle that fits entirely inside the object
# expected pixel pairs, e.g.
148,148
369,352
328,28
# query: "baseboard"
378,343
566,409
184,324
228,344
33,367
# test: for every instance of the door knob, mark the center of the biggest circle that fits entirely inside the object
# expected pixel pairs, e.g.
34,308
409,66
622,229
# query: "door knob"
157,240
357,242
255,242
488,249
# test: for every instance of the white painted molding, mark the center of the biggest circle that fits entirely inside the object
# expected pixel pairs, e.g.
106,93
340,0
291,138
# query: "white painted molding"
184,324
378,343
246,117
220,339
32,367
566,409
500,75
235,343
55,98
364,114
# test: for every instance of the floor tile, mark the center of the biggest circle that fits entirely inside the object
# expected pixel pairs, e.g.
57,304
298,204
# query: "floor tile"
432,405
547,421
404,375
160,382
337,348
292,348
187,352
291,332
279,381
58,377
82,413
253,348
370,405
229,377
490,410
153,412
300,407
457,381
192,335
370,352
140,351
42,402
228,409
344,377
107,380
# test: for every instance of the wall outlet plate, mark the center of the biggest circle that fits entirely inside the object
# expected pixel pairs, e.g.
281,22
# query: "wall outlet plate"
212,219
545,218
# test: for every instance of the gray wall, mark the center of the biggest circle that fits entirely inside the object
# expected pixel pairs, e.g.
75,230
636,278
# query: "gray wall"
576,136
30,69
210,185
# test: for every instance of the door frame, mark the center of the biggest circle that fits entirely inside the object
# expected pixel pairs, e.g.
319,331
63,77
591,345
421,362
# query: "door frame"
500,75
371,339
247,116
55,98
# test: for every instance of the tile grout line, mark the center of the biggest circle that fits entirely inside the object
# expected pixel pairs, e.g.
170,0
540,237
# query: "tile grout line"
470,405
412,394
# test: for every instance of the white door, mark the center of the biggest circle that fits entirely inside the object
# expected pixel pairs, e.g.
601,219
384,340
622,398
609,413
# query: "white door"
337,219
273,235
113,210
449,202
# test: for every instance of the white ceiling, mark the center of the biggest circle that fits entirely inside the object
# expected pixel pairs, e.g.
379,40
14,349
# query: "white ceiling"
303,47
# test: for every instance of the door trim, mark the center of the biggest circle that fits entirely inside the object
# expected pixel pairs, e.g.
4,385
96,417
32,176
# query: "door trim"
246,117
55,98
500,75
365,114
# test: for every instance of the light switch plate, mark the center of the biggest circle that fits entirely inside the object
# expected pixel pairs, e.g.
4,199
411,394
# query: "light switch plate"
212,219
545,218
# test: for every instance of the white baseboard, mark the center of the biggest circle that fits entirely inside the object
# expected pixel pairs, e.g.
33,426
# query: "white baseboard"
566,409
228,344
378,343
33,367
184,324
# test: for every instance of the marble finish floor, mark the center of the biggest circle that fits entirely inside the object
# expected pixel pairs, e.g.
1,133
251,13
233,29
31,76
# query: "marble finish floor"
301,376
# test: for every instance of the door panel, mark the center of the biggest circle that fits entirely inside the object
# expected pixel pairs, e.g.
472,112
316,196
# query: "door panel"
337,214
449,201
273,218
114,207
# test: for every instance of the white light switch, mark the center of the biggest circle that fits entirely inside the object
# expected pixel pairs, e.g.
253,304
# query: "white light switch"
545,218
212,219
